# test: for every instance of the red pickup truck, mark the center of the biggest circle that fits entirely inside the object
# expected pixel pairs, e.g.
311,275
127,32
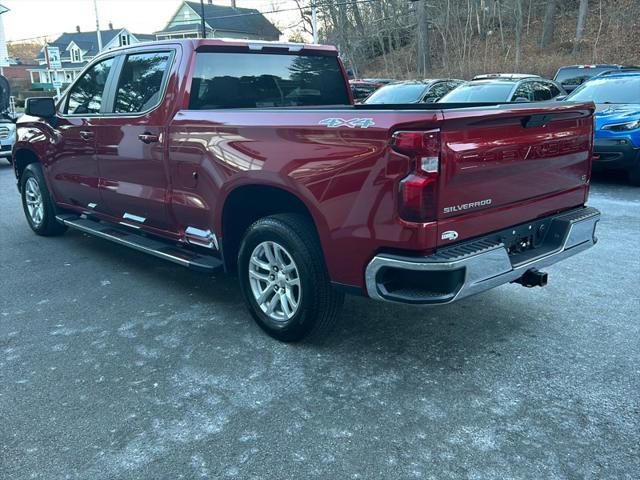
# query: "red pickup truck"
251,157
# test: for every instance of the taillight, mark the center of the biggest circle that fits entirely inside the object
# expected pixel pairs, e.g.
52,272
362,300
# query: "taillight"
418,190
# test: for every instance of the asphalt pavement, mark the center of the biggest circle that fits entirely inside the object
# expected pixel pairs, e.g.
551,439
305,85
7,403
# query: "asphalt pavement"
116,365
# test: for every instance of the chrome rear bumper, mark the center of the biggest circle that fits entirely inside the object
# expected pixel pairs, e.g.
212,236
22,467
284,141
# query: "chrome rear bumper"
472,267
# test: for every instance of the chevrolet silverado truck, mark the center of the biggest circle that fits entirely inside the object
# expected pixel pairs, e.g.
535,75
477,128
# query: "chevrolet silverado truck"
251,157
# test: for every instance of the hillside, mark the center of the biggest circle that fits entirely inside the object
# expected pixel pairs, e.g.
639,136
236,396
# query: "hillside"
465,38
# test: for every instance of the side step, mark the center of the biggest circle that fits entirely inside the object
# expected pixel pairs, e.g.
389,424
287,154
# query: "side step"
144,244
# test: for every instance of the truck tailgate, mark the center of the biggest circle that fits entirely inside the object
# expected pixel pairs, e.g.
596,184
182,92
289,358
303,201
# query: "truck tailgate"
496,161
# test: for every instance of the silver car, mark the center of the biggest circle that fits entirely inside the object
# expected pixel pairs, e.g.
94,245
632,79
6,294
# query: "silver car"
7,138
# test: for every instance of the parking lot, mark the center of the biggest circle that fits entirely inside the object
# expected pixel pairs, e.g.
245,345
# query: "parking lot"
115,365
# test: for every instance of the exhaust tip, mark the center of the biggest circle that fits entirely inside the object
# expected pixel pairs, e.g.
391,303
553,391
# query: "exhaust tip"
533,278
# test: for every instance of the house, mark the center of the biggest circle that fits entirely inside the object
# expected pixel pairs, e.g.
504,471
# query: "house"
220,22
76,50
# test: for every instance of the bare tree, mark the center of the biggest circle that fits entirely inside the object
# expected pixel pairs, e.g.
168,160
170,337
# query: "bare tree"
517,10
583,10
422,47
549,25
27,52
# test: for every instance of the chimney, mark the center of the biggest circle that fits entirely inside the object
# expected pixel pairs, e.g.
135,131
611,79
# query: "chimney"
78,28
110,25
233,3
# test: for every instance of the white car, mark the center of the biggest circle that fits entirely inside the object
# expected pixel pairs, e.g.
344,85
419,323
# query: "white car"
7,138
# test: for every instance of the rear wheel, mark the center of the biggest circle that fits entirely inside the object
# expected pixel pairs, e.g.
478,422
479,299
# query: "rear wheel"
634,174
284,278
37,203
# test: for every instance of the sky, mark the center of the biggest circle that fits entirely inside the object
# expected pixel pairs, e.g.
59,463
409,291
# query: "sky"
27,19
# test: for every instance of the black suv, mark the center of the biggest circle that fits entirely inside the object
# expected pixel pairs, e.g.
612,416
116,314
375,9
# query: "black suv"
572,76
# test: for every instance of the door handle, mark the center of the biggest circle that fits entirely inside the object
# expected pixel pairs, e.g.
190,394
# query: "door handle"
148,138
86,135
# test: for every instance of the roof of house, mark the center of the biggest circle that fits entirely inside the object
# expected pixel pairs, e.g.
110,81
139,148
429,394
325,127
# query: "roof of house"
88,41
243,20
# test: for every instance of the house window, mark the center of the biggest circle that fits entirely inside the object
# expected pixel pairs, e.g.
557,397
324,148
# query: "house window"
76,56
187,14
124,40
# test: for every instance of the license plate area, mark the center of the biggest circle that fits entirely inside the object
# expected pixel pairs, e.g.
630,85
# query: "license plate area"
529,236
534,239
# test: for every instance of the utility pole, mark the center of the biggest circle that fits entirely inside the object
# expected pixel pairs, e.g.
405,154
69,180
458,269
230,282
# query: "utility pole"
314,20
204,29
95,7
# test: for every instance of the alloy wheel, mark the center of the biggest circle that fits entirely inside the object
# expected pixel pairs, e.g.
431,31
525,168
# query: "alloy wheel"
275,281
33,199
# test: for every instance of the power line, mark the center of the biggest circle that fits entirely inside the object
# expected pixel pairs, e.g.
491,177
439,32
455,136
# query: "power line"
34,38
296,9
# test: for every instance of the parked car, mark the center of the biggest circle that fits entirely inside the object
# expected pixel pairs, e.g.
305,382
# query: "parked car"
510,76
505,89
425,91
617,142
7,137
187,150
381,81
572,76
361,89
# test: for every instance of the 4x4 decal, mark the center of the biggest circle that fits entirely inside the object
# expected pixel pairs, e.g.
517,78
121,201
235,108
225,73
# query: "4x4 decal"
352,123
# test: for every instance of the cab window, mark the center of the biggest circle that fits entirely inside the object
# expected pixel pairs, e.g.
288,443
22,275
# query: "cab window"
263,80
85,96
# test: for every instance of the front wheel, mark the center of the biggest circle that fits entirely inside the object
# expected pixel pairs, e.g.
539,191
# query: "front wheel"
284,279
37,203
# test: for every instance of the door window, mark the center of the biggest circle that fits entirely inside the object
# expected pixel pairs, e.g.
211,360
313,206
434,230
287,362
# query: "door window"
437,91
555,91
542,92
85,97
140,85
525,90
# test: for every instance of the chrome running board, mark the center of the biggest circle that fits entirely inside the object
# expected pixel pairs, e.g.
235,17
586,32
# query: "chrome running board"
157,248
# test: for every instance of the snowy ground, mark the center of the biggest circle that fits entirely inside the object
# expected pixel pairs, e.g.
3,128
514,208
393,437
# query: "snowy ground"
115,365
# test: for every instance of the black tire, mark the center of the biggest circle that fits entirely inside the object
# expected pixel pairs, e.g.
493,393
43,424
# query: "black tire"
634,174
318,303
48,225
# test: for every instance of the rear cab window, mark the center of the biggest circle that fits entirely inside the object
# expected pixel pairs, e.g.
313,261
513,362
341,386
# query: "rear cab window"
263,80
141,81
577,75
480,92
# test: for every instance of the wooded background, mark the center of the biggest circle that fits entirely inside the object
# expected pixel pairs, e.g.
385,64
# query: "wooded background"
461,38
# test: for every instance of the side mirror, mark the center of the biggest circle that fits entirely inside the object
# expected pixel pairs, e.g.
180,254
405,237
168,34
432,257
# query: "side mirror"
521,100
560,98
44,107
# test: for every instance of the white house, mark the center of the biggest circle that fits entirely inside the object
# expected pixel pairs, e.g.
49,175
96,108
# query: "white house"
76,50
220,22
